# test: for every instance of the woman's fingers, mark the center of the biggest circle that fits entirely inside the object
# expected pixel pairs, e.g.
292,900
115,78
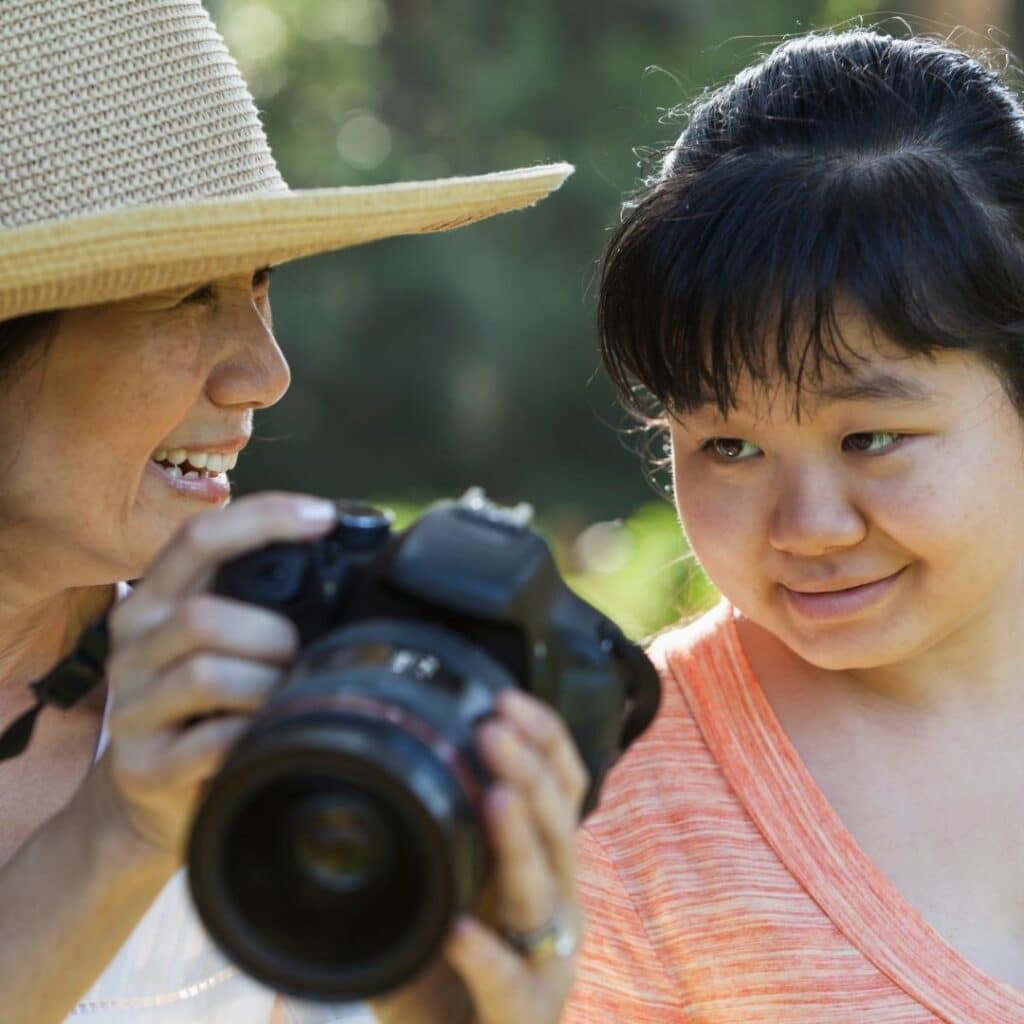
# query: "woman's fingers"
547,732
155,769
504,987
544,808
531,815
530,748
527,891
209,623
187,565
187,669
202,684
194,755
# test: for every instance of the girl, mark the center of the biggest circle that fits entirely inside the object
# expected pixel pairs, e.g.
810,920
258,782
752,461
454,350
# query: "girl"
822,289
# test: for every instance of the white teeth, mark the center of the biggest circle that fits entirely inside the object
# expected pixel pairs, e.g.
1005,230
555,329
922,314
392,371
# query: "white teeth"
211,462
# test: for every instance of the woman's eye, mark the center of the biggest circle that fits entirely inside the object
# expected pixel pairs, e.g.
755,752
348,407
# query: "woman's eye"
727,449
869,435
260,282
203,294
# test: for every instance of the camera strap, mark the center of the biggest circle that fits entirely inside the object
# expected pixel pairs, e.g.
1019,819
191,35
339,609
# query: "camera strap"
64,685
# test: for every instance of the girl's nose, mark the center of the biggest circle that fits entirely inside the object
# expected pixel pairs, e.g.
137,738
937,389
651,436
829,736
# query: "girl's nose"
814,514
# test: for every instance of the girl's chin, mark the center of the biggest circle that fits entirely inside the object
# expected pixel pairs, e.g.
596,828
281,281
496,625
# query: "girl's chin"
845,647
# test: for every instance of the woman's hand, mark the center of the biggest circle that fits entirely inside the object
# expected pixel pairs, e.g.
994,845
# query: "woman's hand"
531,813
187,669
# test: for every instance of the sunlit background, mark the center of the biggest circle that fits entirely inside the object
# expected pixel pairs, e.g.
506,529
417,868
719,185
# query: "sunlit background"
422,366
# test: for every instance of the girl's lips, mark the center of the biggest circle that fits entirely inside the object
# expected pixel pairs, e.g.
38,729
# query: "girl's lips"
214,490
841,603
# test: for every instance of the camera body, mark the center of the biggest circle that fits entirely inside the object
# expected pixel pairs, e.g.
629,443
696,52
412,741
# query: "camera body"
343,833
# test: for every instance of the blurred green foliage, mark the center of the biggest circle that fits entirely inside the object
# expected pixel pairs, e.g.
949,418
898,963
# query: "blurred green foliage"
640,571
424,365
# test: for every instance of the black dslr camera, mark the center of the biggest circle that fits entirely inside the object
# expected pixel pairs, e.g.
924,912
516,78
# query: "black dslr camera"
330,854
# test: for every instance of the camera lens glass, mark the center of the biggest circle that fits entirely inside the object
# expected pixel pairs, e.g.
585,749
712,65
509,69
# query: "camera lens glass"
340,842
326,872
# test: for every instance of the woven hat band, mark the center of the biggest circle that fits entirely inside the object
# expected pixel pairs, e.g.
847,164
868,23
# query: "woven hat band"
117,103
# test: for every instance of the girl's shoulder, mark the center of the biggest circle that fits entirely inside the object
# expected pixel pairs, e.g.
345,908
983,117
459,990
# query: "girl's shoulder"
691,640
670,764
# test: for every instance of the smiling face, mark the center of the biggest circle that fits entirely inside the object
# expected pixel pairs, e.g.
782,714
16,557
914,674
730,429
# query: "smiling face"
859,490
82,499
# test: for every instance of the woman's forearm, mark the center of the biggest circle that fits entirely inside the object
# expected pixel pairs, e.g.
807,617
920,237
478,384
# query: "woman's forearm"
69,898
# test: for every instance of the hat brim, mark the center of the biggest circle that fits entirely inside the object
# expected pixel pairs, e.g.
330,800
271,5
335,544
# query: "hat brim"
117,254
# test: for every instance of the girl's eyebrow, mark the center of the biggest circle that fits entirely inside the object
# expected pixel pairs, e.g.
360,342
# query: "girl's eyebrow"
878,386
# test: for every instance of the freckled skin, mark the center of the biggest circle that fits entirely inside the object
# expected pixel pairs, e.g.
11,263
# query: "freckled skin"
77,428
800,505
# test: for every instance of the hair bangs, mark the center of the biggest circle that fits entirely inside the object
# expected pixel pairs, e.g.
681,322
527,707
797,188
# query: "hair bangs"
748,268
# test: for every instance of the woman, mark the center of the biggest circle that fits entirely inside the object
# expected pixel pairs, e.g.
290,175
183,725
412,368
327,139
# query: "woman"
822,290
140,210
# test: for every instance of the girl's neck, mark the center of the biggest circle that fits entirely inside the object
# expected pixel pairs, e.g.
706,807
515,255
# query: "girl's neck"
970,681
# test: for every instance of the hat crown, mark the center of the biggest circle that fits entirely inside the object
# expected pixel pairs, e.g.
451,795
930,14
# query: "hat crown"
110,104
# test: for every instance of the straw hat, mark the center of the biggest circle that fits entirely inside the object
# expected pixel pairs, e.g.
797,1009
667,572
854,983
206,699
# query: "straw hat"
132,159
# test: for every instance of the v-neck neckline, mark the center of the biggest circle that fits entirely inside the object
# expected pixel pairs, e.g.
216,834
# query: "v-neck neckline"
794,815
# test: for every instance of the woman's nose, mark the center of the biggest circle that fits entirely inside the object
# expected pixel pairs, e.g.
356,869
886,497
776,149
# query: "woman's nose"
814,514
249,368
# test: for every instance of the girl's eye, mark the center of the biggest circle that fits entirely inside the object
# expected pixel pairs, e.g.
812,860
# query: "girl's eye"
725,448
865,442
868,449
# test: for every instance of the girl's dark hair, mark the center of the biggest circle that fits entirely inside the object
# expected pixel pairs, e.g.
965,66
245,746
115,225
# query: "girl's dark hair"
843,168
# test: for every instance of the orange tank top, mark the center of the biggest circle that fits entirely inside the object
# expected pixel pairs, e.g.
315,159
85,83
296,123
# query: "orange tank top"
721,887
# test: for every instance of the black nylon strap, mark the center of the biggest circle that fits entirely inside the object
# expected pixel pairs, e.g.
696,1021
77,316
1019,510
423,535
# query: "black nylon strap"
66,684
16,736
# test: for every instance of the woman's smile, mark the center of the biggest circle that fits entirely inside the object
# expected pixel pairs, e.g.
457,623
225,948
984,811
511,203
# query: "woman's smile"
201,486
200,473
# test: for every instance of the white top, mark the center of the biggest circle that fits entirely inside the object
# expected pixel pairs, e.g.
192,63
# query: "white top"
170,972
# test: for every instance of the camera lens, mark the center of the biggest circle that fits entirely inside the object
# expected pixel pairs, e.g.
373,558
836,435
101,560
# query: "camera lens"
339,842
342,835
320,864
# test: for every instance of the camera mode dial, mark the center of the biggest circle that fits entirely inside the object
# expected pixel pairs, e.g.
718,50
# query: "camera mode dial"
361,527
